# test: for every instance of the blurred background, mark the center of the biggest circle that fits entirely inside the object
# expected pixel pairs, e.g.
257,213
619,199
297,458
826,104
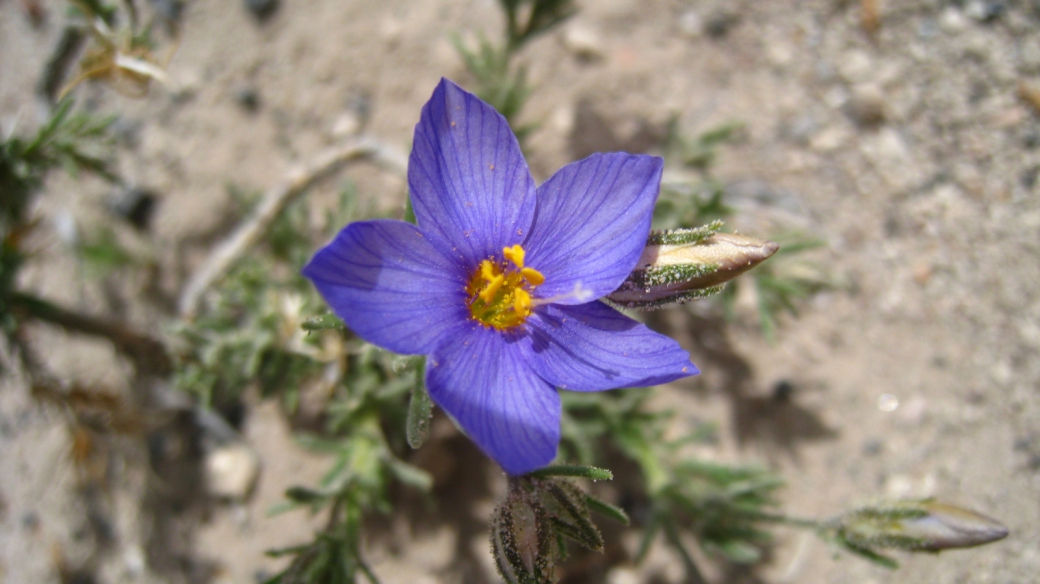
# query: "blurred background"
893,146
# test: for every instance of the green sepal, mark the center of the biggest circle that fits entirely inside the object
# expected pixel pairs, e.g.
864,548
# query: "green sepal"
678,298
607,510
571,515
573,470
659,276
684,236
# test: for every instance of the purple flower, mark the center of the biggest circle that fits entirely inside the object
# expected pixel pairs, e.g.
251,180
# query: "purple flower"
498,284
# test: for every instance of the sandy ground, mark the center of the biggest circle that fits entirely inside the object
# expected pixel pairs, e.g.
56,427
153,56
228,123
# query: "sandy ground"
909,151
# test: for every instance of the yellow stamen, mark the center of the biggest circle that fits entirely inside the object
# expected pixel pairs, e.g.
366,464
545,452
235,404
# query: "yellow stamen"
499,290
514,254
533,276
492,288
487,270
521,302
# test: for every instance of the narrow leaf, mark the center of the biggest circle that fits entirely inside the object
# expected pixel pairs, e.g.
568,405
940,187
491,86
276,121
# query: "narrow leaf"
411,476
579,526
564,470
420,409
606,509
325,322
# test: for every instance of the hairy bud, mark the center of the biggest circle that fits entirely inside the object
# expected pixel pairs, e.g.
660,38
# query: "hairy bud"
918,525
684,264
522,538
540,513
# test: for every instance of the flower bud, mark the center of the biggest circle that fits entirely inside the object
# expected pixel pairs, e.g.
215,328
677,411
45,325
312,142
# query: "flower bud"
522,538
681,265
918,525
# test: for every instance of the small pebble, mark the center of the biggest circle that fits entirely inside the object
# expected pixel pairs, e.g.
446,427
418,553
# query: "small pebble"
867,106
888,402
136,206
134,561
691,25
249,99
922,273
985,11
66,227
231,471
952,21
828,139
721,23
262,9
857,66
623,575
783,390
873,446
583,42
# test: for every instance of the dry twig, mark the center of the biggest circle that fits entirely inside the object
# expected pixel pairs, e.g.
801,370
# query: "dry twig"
1030,94
870,15
250,231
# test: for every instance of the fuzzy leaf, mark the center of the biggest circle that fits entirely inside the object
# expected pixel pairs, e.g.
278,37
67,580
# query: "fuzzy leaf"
420,409
563,470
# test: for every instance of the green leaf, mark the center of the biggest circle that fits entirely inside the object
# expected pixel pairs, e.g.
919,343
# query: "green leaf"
324,322
586,472
879,559
411,475
303,495
606,509
571,515
740,552
420,408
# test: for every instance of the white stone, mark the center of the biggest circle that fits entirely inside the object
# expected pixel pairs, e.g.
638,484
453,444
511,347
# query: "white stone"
887,146
231,471
780,54
691,24
856,66
828,139
583,41
952,21
391,30
623,576
346,124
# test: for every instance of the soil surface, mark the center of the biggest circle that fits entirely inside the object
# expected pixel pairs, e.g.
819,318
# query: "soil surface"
902,138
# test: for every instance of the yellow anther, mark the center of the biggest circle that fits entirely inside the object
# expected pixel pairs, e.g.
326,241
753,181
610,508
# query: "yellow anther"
499,290
487,270
514,254
533,276
521,302
494,285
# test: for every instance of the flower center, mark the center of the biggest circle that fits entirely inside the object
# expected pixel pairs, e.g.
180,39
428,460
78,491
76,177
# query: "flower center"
500,290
